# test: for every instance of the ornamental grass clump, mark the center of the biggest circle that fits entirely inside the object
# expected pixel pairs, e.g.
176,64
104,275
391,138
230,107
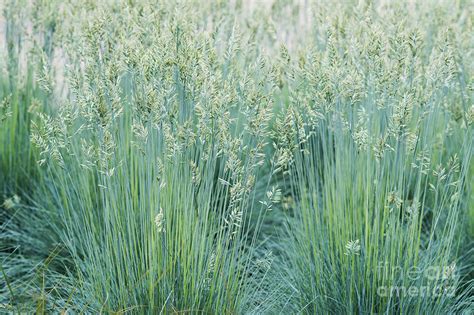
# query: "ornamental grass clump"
152,163
381,146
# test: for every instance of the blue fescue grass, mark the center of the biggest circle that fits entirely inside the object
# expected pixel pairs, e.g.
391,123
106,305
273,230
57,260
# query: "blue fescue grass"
378,173
188,162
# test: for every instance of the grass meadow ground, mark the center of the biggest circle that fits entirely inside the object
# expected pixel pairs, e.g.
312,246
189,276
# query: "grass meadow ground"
241,157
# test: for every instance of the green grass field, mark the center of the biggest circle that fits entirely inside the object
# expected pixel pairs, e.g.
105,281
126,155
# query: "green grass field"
241,157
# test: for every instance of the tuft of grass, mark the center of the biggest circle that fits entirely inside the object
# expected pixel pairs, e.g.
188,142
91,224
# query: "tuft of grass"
151,167
378,162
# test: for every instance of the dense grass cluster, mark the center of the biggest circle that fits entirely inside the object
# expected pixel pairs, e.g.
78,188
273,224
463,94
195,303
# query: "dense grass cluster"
237,158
